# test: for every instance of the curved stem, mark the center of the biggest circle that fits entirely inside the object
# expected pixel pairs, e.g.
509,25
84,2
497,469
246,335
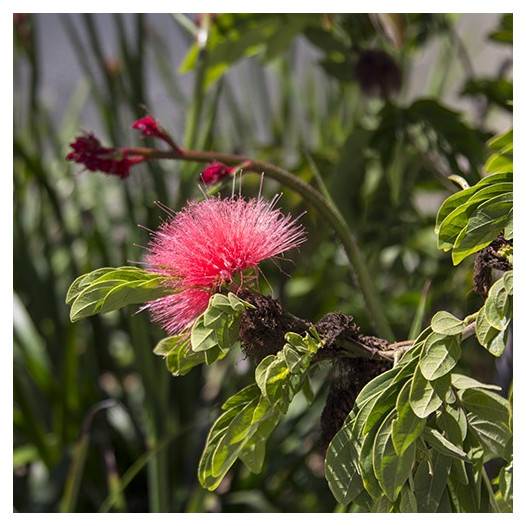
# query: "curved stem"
326,209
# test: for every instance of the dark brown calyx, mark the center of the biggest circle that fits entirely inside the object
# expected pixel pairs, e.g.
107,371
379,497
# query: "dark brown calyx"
262,330
487,260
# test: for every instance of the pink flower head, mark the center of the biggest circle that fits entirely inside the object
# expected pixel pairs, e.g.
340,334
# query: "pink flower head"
88,150
210,243
215,172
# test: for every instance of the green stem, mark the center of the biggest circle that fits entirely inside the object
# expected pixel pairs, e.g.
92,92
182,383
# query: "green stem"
198,99
326,209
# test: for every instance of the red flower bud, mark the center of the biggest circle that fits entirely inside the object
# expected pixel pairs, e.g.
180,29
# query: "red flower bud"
149,127
88,150
215,172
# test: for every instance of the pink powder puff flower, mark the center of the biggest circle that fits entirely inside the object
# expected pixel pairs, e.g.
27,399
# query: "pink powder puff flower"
209,244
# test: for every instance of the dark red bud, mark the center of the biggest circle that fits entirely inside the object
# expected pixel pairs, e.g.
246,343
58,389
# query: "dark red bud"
215,172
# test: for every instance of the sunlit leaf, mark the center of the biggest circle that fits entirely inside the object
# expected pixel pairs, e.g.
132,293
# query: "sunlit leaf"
241,430
483,226
177,352
441,444
427,396
459,198
407,427
461,381
108,289
445,323
493,436
281,376
486,404
439,356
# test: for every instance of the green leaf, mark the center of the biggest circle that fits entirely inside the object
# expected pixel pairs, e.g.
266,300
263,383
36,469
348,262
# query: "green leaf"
240,431
490,338
483,227
504,33
203,338
408,502
85,280
280,377
462,496
177,352
460,381
486,404
492,191
243,397
277,383
507,279
494,437
376,385
503,140
454,224
443,445
293,359
360,413
341,466
216,331
253,452
439,356
308,391
460,198
382,405
215,435
445,323
508,230
498,306
506,488
407,427
454,423
108,289
366,463
427,396
500,162
395,470
391,470
430,480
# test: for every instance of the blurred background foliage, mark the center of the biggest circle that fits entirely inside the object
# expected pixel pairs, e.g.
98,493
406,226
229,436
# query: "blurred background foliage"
340,100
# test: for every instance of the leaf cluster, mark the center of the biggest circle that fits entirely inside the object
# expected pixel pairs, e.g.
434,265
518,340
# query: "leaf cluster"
419,434
471,219
493,319
212,336
250,416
